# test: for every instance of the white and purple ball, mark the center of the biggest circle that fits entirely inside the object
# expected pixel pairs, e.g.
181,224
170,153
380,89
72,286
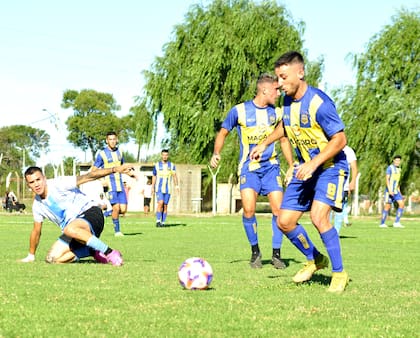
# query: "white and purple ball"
195,274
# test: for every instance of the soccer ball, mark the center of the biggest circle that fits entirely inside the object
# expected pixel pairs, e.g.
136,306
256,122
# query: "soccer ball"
195,274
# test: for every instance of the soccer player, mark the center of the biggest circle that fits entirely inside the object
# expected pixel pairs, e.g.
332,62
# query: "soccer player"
317,134
349,187
80,219
254,120
110,157
393,193
163,173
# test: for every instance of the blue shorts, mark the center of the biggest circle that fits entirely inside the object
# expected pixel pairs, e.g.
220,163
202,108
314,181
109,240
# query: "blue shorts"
163,197
117,197
262,182
391,199
325,185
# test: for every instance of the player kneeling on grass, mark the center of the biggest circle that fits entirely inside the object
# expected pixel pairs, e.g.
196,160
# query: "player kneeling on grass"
80,219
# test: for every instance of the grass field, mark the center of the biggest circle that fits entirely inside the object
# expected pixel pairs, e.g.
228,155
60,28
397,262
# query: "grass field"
143,297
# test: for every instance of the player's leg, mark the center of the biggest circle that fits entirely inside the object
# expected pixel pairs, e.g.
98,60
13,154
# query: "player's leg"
249,221
166,199
159,208
60,251
385,211
400,210
87,231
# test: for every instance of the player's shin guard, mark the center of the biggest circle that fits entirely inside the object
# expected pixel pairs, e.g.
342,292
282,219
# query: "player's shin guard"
300,240
116,222
398,215
250,226
384,216
96,244
277,239
332,244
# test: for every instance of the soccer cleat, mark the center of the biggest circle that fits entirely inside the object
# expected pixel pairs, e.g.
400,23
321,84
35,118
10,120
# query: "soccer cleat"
305,274
339,281
383,225
114,257
162,224
255,261
158,224
277,262
119,234
100,257
398,225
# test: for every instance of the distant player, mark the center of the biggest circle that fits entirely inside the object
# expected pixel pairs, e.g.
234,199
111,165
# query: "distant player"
393,193
164,172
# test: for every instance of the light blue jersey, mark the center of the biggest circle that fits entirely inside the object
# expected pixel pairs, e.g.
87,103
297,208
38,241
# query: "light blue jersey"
64,202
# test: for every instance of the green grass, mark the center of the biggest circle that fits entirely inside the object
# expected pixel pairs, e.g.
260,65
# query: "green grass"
144,299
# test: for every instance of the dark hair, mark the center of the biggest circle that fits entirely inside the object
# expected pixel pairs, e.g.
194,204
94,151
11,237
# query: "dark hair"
289,57
165,151
111,133
32,170
397,156
266,78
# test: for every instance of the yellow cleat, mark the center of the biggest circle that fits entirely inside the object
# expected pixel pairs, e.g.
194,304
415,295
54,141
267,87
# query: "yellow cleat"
305,274
339,281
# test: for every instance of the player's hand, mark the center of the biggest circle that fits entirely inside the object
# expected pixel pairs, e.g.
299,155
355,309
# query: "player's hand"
126,168
215,159
256,152
28,259
304,171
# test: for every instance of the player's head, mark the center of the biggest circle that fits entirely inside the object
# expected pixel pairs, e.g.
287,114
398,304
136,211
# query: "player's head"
268,88
165,155
36,180
112,140
290,70
397,160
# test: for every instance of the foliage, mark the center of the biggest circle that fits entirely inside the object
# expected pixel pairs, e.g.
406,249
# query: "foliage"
19,143
381,112
144,299
94,115
212,64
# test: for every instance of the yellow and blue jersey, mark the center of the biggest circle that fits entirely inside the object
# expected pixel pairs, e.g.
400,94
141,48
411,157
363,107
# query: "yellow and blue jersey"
108,158
394,178
253,125
310,122
163,173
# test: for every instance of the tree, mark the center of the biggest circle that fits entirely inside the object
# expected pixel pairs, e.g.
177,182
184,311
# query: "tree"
94,115
212,64
381,112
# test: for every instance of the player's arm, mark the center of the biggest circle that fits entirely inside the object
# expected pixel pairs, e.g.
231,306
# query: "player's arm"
175,180
337,142
277,134
388,184
33,242
354,171
218,146
98,173
286,149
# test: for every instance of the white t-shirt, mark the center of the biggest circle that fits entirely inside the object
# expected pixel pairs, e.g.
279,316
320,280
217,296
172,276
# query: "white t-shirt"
63,204
351,157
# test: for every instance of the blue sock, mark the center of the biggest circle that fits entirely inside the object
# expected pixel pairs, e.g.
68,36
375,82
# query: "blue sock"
96,244
250,226
277,239
384,216
116,222
158,216
164,217
300,240
399,214
107,213
332,244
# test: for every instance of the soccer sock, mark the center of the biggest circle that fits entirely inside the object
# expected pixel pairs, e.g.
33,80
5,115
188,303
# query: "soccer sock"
158,216
384,216
96,244
277,238
250,226
300,240
164,214
332,244
116,222
107,213
398,215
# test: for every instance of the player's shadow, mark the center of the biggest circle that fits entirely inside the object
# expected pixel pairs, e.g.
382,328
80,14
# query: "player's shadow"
347,237
132,233
169,225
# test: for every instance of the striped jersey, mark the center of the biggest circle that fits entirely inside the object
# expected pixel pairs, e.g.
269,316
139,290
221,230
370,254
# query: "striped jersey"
394,178
253,125
310,122
164,172
108,158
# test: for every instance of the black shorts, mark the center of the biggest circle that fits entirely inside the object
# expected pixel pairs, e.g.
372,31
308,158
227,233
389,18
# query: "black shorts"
147,201
95,218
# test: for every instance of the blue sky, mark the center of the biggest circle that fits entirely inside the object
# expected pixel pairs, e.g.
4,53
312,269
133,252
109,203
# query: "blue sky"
48,46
